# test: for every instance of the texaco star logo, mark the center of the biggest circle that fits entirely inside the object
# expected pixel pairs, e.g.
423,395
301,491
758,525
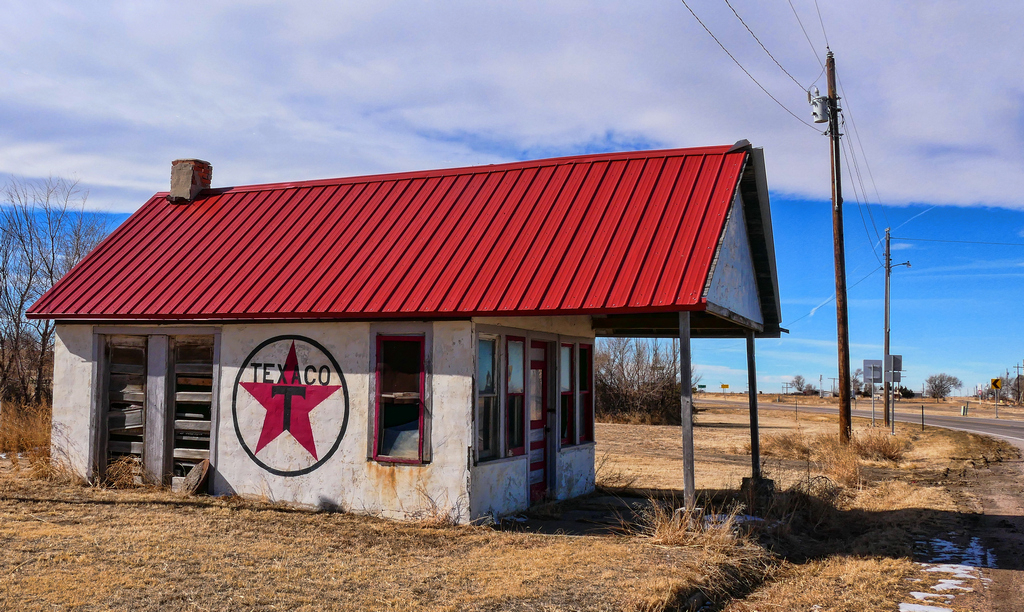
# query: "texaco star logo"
290,405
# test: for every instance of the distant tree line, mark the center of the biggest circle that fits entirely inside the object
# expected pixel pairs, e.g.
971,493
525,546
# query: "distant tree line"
637,381
44,231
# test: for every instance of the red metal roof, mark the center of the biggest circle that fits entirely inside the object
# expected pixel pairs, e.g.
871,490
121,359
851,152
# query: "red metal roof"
609,233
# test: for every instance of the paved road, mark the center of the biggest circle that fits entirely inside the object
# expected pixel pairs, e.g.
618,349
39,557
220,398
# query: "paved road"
1010,430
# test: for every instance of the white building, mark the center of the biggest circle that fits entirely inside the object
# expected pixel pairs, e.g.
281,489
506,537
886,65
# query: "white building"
398,343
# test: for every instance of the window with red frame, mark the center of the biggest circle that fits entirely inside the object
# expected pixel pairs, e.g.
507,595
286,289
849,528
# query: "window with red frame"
515,395
400,409
586,386
567,427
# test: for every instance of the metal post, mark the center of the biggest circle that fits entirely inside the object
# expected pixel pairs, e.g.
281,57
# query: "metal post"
839,252
872,388
686,401
922,417
755,444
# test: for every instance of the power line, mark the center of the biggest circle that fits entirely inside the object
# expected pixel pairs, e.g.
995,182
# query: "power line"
745,71
860,144
804,30
826,302
860,208
1020,244
765,49
822,22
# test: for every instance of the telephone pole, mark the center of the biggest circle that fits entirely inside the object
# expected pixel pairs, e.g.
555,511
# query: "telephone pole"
885,358
842,315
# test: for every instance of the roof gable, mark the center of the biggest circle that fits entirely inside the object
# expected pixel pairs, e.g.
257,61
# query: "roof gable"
610,233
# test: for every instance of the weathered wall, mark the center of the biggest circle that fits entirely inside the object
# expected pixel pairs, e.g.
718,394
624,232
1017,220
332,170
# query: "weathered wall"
575,473
74,373
500,487
733,284
348,480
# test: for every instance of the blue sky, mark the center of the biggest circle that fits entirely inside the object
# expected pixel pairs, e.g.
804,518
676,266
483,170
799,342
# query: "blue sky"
933,93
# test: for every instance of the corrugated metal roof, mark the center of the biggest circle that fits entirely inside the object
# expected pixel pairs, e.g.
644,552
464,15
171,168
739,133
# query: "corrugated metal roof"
609,233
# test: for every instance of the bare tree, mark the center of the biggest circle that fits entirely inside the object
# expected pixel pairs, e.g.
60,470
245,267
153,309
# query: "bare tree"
638,380
940,386
857,381
44,231
798,383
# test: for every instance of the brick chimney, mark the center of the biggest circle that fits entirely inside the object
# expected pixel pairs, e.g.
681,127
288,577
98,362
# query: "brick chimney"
188,178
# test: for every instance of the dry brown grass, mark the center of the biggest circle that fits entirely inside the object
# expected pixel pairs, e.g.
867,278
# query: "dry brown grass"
833,584
24,429
881,446
150,549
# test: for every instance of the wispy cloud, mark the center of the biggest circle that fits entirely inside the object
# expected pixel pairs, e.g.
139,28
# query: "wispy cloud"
266,92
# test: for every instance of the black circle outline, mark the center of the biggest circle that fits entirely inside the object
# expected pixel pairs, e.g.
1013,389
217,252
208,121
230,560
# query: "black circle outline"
234,408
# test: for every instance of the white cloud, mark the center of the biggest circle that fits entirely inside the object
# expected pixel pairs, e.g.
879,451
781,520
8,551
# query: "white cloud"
271,92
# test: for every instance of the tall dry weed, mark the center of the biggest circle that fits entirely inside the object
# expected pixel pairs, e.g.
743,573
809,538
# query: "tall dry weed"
790,445
840,461
881,446
24,429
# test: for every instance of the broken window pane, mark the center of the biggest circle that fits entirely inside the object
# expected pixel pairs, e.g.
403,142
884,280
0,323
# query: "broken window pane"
400,364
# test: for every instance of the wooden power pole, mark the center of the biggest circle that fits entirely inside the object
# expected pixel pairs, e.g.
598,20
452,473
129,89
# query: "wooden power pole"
842,316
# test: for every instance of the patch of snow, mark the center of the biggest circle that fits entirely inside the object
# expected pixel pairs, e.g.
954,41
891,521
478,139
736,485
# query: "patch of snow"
913,607
918,595
950,585
958,570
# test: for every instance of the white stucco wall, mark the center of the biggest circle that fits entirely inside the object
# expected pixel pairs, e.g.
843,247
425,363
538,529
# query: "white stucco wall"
575,473
348,479
74,374
500,487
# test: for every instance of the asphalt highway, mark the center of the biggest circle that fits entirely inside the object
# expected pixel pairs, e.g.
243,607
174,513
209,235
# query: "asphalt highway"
1010,430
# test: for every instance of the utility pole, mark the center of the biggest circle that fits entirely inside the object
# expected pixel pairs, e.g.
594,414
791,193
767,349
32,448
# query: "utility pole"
885,359
888,374
842,315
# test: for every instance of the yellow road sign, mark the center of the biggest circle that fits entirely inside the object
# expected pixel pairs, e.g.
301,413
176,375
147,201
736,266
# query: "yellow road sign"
997,384
725,386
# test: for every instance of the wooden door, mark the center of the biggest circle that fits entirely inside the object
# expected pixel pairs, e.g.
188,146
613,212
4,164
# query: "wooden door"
538,421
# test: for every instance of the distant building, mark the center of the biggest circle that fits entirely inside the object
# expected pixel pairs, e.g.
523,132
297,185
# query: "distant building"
393,343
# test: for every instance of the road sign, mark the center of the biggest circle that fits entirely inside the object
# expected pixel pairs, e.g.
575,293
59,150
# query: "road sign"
725,386
873,371
997,384
894,363
702,386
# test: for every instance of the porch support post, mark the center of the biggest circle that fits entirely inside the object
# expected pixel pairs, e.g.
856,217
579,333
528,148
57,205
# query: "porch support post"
158,431
686,400
755,443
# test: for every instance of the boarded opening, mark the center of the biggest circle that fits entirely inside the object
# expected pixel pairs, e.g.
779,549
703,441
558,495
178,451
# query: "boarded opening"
192,390
125,408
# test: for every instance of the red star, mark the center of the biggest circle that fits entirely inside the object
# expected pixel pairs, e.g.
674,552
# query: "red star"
288,403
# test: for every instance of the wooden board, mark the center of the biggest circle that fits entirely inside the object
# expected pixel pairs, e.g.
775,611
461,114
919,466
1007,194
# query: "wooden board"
196,478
